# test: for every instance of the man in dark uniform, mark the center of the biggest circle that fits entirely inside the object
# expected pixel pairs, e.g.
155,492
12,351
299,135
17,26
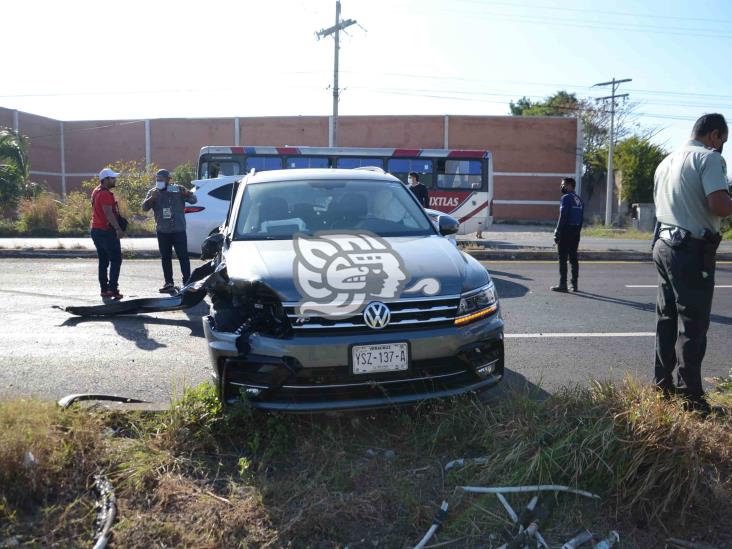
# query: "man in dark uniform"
691,198
419,190
567,234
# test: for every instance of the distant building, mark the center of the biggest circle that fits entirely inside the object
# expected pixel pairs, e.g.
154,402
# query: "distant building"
530,154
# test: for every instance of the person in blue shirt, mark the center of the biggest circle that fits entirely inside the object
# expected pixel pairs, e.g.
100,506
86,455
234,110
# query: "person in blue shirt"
567,234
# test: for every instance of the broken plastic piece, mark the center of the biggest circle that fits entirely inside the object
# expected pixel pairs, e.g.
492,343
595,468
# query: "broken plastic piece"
439,519
609,541
189,296
68,400
507,507
465,461
524,489
106,509
578,540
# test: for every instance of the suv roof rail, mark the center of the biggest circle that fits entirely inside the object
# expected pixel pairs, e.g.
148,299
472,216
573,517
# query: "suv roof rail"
375,169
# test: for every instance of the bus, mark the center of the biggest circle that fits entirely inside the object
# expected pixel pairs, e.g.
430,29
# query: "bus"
460,182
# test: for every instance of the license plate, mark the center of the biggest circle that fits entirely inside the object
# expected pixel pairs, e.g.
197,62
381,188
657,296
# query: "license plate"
387,357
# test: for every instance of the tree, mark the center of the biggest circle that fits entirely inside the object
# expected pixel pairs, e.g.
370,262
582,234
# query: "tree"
559,104
637,159
595,119
184,174
14,169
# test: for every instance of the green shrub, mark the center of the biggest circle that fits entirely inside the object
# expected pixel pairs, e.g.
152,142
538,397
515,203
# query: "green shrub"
39,215
135,179
9,228
184,174
74,216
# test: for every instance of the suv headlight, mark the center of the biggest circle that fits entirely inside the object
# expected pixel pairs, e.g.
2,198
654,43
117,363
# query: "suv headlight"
477,304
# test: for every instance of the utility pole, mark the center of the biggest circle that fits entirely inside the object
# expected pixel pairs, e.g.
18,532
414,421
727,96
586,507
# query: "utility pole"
611,149
335,31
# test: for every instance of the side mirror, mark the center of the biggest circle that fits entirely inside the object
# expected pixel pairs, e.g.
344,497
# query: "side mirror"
212,246
448,225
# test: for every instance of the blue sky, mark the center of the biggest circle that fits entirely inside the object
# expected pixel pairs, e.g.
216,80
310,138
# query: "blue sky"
111,60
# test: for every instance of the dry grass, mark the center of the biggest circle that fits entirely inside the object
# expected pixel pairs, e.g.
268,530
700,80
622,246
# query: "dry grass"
38,214
194,476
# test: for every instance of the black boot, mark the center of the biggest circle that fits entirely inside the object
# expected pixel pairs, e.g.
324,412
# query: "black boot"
561,287
573,286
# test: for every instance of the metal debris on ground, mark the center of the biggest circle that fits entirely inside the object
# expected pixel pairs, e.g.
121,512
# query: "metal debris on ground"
675,543
578,540
68,400
439,519
105,511
609,541
465,461
528,521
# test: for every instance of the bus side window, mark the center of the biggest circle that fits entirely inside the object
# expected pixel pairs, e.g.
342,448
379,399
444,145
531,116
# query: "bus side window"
400,168
460,174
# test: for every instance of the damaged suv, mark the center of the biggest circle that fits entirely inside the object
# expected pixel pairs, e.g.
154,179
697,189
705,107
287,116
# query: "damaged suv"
334,290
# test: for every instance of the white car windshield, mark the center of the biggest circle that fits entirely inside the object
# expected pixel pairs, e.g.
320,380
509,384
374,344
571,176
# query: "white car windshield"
278,210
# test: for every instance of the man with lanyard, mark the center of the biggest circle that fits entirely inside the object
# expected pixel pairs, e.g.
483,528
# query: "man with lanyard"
418,189
567,234
106,233
168,203
691,198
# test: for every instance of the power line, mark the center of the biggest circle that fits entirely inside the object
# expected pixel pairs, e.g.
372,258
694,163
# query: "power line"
654,16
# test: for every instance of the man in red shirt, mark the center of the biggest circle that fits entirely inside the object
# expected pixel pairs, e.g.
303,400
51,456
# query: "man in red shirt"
106,233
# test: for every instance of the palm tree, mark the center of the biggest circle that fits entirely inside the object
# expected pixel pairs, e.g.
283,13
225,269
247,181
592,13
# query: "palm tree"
14,166
14,151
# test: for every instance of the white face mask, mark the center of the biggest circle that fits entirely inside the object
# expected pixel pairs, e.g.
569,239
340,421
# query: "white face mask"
160,185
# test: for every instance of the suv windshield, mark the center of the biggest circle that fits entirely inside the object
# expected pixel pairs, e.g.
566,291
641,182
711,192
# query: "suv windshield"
279,209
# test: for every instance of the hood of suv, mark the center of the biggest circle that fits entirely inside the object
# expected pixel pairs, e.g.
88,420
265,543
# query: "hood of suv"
414,259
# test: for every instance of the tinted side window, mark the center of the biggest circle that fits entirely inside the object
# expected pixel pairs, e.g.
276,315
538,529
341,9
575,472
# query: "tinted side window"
264,163
223,192
308,162
215,168
459,174
400,167
350,163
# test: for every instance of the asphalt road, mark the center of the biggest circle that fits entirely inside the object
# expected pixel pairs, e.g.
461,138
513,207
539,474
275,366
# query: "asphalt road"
552,339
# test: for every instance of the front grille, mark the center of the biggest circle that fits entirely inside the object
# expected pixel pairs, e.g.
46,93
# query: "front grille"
406,314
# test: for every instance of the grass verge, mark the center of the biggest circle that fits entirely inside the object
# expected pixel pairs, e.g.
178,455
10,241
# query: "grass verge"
194,476
627,234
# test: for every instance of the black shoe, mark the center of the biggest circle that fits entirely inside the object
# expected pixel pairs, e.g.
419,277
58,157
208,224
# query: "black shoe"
698,405
167,288
561,288
573,287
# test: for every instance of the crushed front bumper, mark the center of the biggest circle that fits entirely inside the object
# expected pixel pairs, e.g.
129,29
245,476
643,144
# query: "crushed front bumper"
306,374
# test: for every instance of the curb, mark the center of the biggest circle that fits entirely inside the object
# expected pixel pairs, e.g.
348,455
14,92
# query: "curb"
30,253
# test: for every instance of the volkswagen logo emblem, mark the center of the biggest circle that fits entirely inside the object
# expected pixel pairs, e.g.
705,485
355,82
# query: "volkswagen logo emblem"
376,315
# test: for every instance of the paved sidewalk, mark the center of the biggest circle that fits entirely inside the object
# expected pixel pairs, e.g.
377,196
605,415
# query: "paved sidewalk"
500,242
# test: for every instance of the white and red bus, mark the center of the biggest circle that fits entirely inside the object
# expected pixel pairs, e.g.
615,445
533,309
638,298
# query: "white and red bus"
460,182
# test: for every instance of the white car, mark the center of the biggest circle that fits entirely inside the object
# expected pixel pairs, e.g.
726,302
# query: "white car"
209,212
205,216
